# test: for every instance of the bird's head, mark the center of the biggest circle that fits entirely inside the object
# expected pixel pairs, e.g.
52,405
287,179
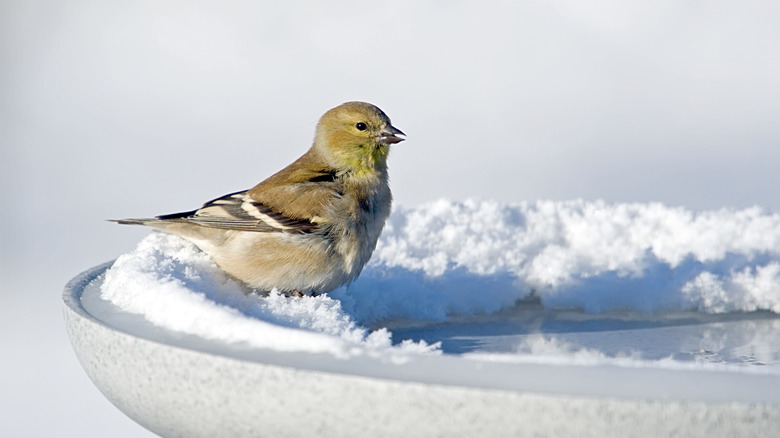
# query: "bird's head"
355,137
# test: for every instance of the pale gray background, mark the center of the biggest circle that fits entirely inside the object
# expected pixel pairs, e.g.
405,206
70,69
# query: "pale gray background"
137,108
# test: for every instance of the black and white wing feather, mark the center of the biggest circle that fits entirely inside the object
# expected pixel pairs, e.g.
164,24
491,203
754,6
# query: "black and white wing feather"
238,211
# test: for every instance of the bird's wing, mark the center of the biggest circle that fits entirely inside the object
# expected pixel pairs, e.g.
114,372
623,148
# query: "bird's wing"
302,190
238,211
296,199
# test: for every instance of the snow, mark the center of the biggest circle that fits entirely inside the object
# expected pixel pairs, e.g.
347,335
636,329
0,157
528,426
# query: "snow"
629,101
698,288
176,286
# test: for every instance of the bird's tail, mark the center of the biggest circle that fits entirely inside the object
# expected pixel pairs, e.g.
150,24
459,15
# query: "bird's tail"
147,221
175,225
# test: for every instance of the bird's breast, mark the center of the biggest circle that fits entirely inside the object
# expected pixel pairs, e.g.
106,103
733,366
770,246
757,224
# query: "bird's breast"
362,229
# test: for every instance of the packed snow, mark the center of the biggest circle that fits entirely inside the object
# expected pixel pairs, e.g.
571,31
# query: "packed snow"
449,261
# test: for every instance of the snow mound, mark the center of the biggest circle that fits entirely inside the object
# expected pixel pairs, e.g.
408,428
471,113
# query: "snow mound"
448,259
176,286
458,258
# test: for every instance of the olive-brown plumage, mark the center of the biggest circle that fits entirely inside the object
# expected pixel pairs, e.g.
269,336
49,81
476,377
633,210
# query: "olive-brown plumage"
312,226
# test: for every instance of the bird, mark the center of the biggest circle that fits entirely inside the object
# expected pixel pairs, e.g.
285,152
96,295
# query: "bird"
311,227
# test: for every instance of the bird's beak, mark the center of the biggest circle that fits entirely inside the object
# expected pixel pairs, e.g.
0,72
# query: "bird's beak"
390,134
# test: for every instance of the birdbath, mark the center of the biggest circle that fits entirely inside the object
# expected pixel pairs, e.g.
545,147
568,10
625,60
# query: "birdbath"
179,385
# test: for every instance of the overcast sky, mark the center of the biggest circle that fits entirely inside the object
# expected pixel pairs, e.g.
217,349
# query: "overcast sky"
138,108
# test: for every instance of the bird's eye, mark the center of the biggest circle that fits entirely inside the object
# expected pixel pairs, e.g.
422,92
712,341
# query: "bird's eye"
361,126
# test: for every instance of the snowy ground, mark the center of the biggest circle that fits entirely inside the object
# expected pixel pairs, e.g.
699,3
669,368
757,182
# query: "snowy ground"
545,282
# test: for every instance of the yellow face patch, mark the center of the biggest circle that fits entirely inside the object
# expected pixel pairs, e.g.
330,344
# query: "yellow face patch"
353,135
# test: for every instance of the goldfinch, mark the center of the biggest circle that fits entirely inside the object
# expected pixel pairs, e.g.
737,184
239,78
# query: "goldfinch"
312,226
